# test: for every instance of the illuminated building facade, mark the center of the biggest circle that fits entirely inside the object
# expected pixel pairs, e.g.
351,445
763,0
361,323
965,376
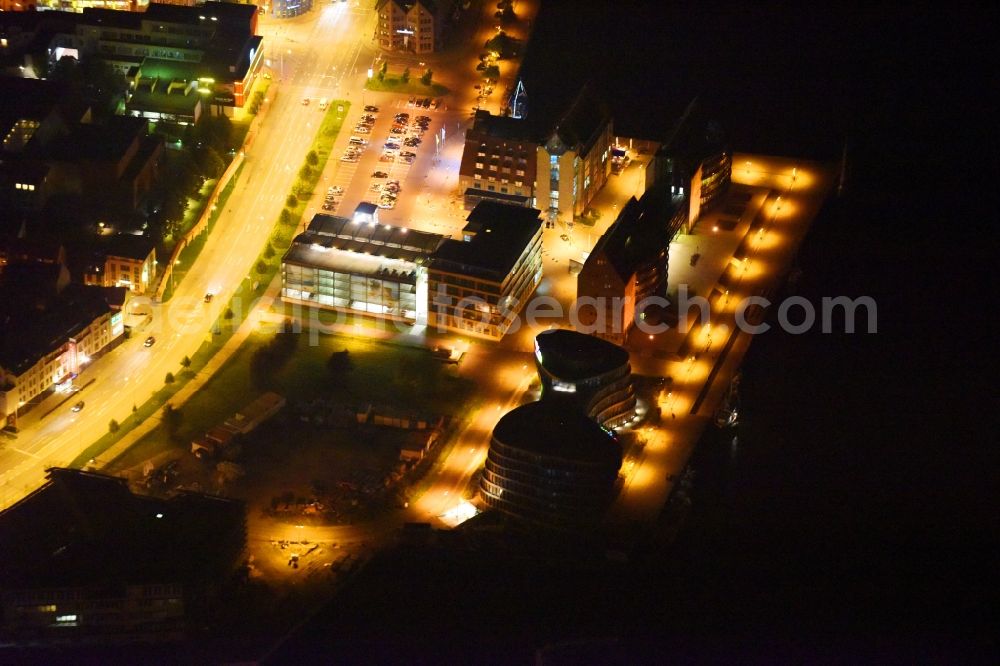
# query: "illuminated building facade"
125,261
628,265
574,160
479,284
289,8
498,162
409,25
695,162
590,372
549,464
361,266
43,350
180,60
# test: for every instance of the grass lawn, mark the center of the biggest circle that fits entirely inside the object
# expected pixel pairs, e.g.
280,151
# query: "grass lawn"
380,373
394,84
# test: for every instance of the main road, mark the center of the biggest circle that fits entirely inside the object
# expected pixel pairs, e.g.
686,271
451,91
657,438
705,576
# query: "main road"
310,58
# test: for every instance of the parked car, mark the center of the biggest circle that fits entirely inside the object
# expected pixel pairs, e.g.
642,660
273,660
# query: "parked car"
411,102
371,109
380,174
329,206
357,141
407,153
150,341
336,189
77,407
426,103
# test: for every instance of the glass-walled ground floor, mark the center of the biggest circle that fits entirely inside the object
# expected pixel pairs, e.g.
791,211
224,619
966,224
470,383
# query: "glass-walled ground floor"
388,293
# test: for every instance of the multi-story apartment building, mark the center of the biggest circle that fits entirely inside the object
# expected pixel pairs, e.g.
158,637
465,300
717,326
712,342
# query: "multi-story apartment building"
123,260
695,162
410,25
48,335
478,285
498,162
568,163
628,265
574,159
589,372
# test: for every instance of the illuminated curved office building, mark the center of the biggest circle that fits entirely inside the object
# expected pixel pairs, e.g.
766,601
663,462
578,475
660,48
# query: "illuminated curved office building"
588,371
549,464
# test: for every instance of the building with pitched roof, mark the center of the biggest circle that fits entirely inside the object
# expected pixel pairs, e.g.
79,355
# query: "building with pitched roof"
410,25
478,285
49,329
574,158
628,265
498,162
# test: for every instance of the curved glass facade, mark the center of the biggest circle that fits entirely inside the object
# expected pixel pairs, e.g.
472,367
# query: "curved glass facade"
550,489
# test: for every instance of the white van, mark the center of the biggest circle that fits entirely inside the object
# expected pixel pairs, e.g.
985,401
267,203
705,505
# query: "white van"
323,103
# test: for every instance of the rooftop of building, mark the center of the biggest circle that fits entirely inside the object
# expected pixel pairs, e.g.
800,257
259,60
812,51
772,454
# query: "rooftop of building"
572,356
345,245
128,246
33,325
501,127
587,115
108,141
225,13
695,135
407,5
499,235
558,430
88,529
28,99
46,250
640,232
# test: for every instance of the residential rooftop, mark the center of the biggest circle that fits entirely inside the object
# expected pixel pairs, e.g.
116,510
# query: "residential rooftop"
639,233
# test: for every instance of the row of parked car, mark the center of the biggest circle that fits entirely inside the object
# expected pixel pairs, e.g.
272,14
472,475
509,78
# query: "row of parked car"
425,102
357,143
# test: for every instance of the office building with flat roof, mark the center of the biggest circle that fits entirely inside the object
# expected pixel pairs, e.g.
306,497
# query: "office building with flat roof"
358,265
480,283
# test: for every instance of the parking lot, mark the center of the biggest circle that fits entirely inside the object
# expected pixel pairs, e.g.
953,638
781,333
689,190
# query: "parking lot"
377,153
